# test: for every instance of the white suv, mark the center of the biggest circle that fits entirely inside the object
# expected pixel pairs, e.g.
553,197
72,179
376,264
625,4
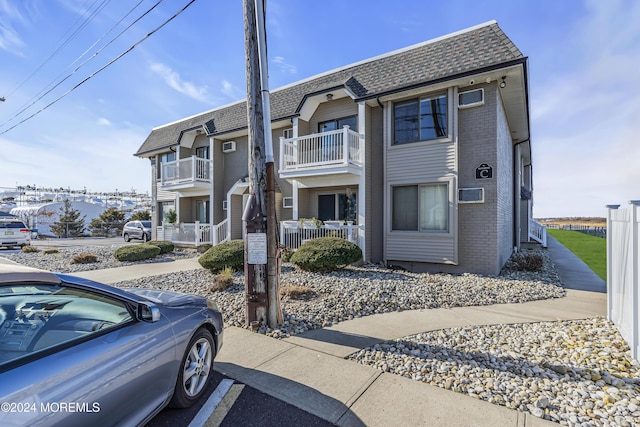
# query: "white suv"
13,232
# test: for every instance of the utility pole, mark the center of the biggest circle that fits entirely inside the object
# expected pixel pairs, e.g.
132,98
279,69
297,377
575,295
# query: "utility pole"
261,269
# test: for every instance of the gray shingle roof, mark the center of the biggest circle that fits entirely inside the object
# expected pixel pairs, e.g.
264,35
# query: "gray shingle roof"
447,57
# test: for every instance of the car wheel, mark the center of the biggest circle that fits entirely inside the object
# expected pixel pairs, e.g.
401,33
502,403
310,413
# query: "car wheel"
195,370
145,238
127,238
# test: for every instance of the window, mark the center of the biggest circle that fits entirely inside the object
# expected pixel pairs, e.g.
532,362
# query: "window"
202,152
420,207
165,158
471,98
337,206
337,124
37,317
420,119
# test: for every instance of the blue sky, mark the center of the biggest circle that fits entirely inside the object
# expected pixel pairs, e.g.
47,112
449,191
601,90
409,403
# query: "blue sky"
583,60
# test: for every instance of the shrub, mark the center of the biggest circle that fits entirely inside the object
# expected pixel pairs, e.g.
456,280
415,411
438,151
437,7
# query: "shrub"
29,249
222,280
285,253
326,254
84,259
527,261
297,292
164,245
49,251
203,248
136,252
228,254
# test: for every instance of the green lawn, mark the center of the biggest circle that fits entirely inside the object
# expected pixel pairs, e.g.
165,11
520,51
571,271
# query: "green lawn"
590,249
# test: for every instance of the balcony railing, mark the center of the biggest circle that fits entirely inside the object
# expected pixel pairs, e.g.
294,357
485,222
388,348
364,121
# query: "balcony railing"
293,234
191,170
338,147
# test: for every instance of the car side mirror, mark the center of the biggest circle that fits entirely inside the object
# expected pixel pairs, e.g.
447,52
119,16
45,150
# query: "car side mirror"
148,313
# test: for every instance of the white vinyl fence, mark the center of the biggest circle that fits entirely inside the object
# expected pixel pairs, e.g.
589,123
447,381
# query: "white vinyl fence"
623,257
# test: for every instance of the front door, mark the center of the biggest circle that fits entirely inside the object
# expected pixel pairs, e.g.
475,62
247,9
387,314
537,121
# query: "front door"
326,207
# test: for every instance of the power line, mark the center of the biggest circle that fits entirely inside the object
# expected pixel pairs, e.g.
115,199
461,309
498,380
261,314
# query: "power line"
101,68
25,107
66,41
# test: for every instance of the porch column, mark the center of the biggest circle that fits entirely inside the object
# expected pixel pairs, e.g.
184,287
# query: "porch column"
211,219
362,122
294,212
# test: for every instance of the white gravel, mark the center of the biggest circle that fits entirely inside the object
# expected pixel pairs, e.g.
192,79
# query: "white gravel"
577,373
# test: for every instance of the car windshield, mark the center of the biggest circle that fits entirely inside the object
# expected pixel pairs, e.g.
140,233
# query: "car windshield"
37,317
146,224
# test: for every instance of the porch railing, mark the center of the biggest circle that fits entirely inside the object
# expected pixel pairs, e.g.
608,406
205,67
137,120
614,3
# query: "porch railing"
192,234
221,232
538,232
341,146
188,170
293,234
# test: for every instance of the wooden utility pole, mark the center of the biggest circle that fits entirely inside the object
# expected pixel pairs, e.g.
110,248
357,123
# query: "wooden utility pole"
261,278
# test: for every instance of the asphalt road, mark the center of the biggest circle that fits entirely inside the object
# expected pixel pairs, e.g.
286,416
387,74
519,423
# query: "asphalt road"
228,403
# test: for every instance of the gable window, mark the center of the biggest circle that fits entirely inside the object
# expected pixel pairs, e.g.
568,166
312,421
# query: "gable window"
420,119
420,207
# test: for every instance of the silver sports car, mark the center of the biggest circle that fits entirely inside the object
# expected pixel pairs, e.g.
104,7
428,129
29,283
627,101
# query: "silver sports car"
75,352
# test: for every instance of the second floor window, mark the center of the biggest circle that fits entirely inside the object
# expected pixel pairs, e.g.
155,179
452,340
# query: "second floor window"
337,124
420,119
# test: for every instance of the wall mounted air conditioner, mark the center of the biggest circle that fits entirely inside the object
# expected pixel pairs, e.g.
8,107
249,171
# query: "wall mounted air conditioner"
229,147
224,205
287,202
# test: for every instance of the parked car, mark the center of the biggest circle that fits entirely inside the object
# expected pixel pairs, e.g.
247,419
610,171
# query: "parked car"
74,352
14,232
137,230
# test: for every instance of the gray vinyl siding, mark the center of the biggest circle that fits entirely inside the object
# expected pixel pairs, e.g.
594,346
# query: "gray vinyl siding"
422,163
235,164
236,217
336,109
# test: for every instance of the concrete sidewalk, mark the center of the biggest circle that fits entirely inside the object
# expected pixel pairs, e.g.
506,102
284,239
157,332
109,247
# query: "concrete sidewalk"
310,372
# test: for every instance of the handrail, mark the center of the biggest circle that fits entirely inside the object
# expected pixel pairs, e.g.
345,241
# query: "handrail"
342,146
538,232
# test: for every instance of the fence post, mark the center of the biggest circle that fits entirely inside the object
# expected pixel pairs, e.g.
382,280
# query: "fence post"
610,259
634,259
163,232
197,233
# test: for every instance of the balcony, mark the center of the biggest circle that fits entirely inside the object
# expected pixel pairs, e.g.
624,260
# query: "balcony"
322,154
185,174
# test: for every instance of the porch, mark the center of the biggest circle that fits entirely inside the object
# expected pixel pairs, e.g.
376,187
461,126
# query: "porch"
333,152
292,233
183,174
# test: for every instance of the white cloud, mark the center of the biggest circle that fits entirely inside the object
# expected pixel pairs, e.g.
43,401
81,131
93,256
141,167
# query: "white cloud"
284,66
231,91
173,80
10,40
104,122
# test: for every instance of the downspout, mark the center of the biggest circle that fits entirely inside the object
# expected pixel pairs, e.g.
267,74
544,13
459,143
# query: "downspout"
516,193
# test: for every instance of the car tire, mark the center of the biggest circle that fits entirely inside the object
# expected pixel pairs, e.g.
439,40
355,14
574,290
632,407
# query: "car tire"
145,238
197,364
127,238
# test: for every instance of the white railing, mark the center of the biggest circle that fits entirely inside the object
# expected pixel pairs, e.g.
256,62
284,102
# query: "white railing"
195,234
338,147
623,259
293,234
221,232
188,170
538,232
